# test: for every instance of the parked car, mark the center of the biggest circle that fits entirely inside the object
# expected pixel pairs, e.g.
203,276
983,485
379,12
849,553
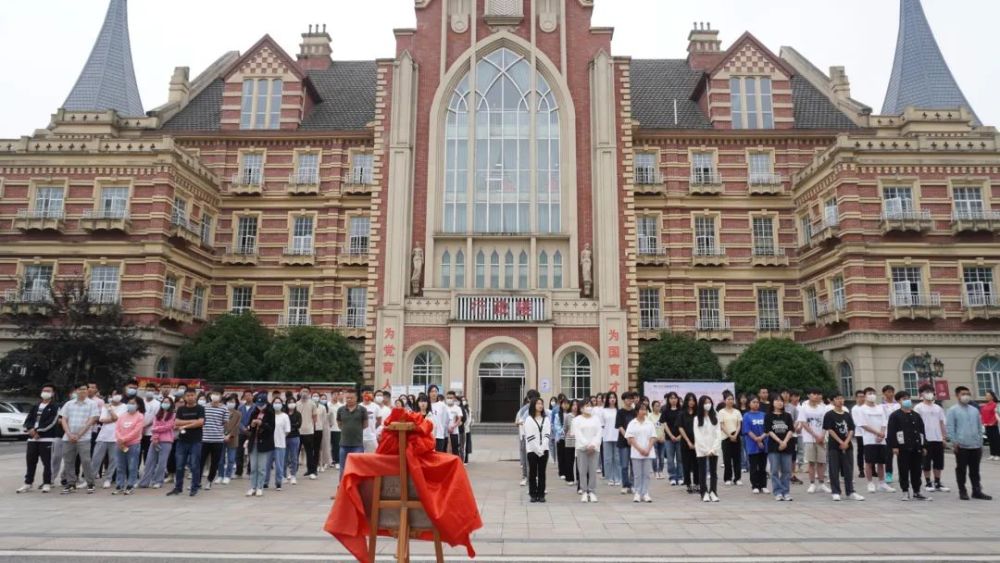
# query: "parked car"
12,420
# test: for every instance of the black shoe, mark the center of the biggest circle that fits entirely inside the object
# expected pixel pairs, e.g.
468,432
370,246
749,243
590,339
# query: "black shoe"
193,493
90,489
533,499
67,489
962,495
981,495
918,496
173,492
541,499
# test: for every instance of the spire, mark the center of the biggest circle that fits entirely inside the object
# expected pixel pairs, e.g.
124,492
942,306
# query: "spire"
108,78
920,76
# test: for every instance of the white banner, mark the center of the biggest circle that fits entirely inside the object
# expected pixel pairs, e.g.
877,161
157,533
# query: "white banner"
655,390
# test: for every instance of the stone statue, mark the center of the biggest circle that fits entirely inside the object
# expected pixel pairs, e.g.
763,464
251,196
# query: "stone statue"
587,268
417,274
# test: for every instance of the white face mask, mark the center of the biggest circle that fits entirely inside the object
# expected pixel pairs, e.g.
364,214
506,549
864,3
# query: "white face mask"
928,396
116,398
707,406
870,397
216,398
588,409
378,399
201,402
231,405
46,395
449,402
277,406
291,406
315,397
964,399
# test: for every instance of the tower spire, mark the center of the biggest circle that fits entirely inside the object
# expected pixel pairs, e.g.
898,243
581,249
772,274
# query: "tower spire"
920,76
108,79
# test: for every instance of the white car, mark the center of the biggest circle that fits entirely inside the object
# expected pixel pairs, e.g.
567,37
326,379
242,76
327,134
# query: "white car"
12,421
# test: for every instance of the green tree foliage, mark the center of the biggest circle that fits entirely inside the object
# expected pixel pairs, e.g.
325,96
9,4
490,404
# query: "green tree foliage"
230,348
678,356
312,354
71,337
777,363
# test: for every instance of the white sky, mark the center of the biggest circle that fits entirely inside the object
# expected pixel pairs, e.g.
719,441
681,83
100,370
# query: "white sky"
46,42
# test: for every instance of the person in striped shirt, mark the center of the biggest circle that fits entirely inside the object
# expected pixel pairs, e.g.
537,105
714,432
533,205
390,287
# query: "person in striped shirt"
216,416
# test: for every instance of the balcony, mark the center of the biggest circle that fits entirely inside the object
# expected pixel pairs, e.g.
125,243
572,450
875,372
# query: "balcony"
651,254
104,298
648,181
705,182
356,255
500,309
304,183
713,329
908,220
709,256
650,327
768,256
915,306
177,310
352,323
358,182
248,182
185,230
764,184
980,306
40,220
298,256
827,229
774,327
294,320
975,221
240,255
95,220
831,312
25,301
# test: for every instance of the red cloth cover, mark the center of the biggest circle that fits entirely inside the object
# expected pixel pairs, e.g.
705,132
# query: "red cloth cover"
440,479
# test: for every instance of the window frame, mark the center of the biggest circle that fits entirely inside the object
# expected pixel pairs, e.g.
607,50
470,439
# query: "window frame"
744,98
252,115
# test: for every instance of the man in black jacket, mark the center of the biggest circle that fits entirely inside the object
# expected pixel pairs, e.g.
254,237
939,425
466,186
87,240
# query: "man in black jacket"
905,437
41,427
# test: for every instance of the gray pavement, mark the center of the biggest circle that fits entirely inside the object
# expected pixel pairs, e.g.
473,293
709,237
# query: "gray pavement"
287,525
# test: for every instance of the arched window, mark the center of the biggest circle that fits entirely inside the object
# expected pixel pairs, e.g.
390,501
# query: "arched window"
427,369
495,270
557,270
446,269
460,269
911,378
846,379
163,367
508,270
543,270
575,370
522,270
988,375
480,270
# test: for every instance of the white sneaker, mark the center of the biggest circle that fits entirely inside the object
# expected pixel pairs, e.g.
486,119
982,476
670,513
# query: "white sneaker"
906,496
706,498
23,489
871,487
812,488
788,498
647,498
208,486
826,488
636,498
856,496
156,485
755,491
259,493
942,488
885,488
46,488
250,492
836,498
624,490
336,466
779,498
107,484
524,482
739,483
584,498
571,482
312,476
728,483
593,497
294,481
765,491
225,480
714,497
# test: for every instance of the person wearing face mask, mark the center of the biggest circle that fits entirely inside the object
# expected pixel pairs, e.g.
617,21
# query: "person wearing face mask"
367,403
325,457
872,421
441,424
338,402
151,402
935,433
466,429
246,408
308,432
708,446
41,425
160,446
905,436
78,416
282,426
105,445
213,436
292,443
128,438
988,411
588,434
964,427
230,439
382,400
188,421
454,421
260,443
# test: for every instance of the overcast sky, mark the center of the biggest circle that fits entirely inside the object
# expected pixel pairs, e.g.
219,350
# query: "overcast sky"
46,42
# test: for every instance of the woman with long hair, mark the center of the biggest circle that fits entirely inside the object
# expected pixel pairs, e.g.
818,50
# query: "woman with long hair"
661,438
641,436
230,438
564,462
669,421
587,436
160,445
780,428
988,412
707,443
260,443
689,413
730,422
128,438
537,431
612,470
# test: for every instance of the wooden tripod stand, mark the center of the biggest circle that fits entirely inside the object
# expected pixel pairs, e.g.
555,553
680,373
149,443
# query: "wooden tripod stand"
382,503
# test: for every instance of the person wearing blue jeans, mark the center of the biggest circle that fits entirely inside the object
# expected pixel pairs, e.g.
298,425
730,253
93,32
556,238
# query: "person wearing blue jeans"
352,420
625,415
189,421
127,463
780,428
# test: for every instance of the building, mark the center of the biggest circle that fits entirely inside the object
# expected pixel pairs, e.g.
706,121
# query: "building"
505,204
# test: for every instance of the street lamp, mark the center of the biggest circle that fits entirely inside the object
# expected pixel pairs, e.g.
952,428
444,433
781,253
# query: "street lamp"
929,368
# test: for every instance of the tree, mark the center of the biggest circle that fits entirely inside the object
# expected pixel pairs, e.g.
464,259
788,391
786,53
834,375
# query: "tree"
678,356
778,363
72,337
229,348
313,354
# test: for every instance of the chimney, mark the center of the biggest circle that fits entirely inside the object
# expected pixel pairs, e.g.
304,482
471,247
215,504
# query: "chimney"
839,83
703,46
315,49
179,85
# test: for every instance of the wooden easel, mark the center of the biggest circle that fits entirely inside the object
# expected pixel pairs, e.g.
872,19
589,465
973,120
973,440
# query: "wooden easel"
404,504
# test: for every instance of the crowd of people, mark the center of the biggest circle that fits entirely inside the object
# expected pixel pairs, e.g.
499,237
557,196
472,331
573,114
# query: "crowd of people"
132,438
900,440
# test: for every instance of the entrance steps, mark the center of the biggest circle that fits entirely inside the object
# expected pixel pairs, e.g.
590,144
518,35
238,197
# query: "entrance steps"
497,428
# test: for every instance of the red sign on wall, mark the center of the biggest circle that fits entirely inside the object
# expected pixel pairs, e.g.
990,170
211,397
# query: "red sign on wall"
941,390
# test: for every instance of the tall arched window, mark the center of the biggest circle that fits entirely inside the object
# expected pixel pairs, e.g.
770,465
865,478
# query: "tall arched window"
427,369
508,270
495,270
522,270
988,375
846,379
163,367
480,270
460,269
557,270
446,269
543,270
910,376
575,371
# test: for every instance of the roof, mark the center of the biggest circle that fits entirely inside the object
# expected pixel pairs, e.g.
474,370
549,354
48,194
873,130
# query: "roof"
920,76
107,80
347,101
813,110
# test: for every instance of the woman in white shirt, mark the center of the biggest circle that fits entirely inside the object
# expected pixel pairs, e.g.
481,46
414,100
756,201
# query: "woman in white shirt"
707,445
641,436
588,434
537,431
612,470
105,444
282,426
424,409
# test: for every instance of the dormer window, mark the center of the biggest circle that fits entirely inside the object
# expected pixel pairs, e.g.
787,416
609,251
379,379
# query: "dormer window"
751,102
260,107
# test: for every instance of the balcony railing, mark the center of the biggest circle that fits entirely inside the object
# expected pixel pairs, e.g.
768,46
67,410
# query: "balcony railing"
975,220
500,308
915,300
299,255
102,214
647,176
177,309
769,256
712,323
717,250
353,321
105,220
906,220
300,250
248,178
773,324
652,324
709,255
241,254
104,297
304,182
651,253
764,179
705,178
40,219
28,296
976,300
358,180
826,228
185,229
41,214
295,319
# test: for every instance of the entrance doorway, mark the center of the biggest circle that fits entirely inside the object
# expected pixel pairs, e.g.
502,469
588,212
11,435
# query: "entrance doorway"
501,385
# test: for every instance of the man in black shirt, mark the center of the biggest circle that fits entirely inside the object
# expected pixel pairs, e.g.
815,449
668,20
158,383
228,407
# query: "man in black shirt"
839,426
905,436
625,415
187,450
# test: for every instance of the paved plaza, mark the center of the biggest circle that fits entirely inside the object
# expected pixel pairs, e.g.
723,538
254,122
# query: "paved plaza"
223,524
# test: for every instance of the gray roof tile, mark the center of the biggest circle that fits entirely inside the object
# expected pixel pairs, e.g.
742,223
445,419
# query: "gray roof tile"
813,110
